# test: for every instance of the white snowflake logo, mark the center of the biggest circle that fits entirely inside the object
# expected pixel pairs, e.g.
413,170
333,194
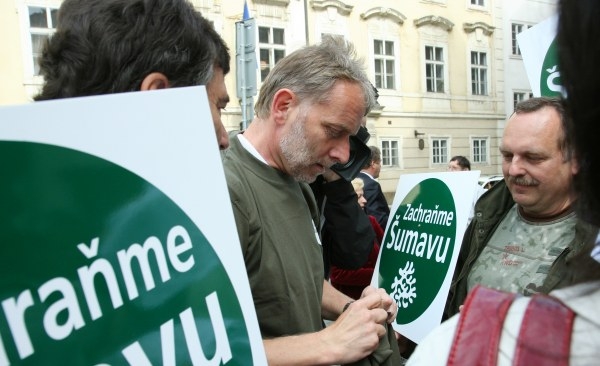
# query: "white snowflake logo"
403,287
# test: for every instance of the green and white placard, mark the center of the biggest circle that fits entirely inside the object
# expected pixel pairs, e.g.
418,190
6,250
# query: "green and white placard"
118,243
421,245
540,56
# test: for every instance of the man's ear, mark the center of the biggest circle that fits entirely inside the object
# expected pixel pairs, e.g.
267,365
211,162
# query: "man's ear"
155,81
283,101
574,163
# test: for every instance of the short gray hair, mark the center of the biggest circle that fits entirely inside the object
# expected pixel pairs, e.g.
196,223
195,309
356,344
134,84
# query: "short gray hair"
312,71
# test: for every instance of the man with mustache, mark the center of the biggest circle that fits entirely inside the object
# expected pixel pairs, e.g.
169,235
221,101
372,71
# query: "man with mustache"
309,105
525,231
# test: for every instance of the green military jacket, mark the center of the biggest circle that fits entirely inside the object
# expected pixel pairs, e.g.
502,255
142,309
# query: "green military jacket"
490,209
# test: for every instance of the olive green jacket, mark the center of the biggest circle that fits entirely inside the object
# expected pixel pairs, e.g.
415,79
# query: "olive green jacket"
490,209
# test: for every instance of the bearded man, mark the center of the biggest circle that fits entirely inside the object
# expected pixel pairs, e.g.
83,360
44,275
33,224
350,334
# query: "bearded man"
310,104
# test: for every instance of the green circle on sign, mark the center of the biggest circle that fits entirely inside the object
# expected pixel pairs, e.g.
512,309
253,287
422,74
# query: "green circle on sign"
100,261
417,248
550,82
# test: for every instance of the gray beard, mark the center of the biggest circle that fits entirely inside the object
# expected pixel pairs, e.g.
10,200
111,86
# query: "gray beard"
295,149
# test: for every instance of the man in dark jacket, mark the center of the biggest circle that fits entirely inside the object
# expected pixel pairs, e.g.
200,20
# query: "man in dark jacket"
376,203
346,233
525,232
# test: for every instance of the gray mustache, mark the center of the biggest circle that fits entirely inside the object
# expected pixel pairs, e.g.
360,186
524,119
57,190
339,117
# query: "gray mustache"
521,181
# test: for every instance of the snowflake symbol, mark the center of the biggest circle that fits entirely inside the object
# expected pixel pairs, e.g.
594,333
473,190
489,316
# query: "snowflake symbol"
403,286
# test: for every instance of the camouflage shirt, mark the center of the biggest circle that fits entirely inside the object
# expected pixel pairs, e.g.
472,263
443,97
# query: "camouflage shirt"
490,210
520,253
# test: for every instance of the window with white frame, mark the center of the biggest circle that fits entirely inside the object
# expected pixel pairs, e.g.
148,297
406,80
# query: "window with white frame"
439,150
271,43
518,97
390,152
516,28
42,23
479,73
384,59
479,150
434,69
478,2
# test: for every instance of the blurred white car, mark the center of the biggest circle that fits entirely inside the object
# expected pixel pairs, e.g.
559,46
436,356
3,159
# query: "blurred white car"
487,181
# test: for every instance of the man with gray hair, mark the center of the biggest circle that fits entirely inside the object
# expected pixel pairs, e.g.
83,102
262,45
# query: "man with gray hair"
310,104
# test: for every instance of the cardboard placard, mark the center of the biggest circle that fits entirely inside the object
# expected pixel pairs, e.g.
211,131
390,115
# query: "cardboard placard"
118,240
421,245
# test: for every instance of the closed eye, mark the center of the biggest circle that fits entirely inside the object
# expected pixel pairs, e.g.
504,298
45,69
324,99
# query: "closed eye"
506,156
535,158
334,133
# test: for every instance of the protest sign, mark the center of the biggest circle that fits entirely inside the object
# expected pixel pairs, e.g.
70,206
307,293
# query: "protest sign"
538,49
118,239
421,245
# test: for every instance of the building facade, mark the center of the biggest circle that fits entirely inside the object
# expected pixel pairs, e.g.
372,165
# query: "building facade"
515,19
447,71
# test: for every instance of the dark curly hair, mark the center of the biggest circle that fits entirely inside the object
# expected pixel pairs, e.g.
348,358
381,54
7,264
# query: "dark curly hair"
110,46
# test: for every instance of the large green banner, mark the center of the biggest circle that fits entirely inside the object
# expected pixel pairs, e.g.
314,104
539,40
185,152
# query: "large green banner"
118,245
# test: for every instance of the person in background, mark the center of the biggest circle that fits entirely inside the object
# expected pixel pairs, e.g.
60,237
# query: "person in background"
353,282
568,330
460,163
376,203
525,232
346,233
309,105
117,46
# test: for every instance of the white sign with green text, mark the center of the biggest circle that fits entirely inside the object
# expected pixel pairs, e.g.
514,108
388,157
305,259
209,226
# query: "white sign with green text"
540,57
118,242
421,245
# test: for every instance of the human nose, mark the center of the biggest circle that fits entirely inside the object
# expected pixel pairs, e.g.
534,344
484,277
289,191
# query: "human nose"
516,167
341,151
